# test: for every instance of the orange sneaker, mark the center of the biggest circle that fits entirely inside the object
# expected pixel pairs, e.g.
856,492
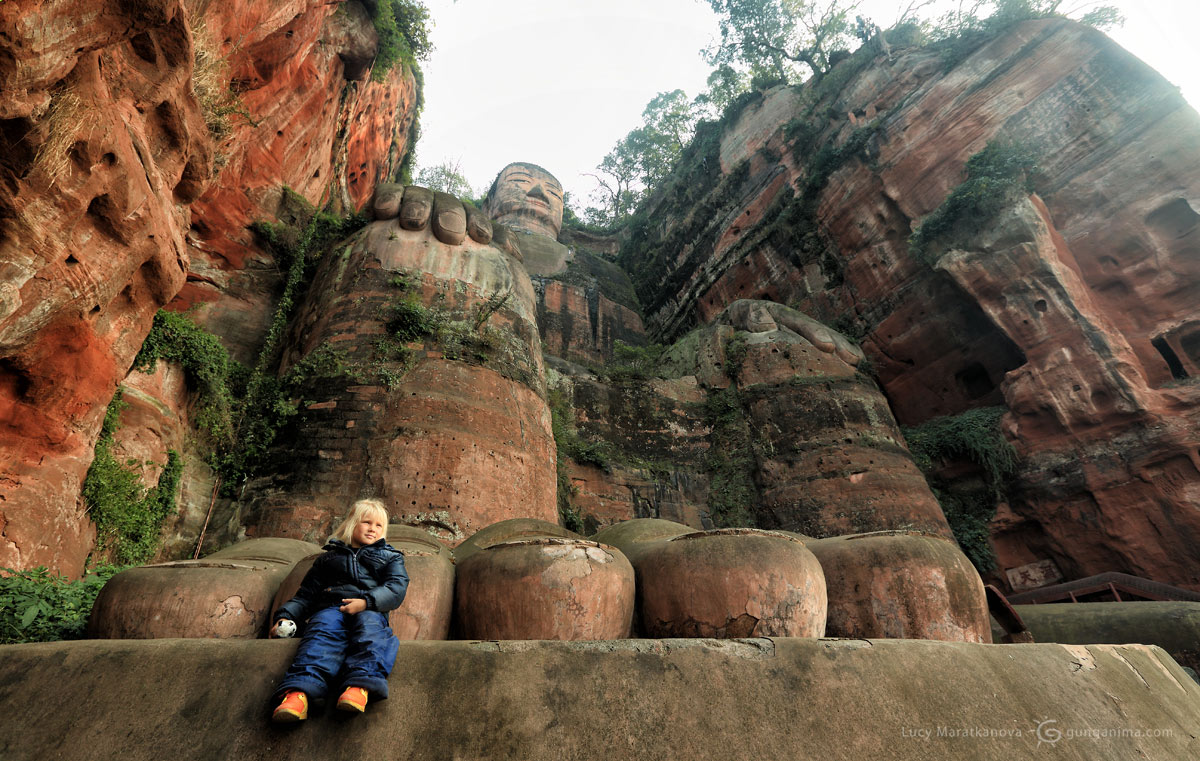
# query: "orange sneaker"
293,708
353,699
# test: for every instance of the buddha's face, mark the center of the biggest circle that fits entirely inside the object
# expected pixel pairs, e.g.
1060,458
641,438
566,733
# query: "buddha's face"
527,197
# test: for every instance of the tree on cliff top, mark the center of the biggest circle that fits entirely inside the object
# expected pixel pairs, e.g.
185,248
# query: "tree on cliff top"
776,37
780,38
643,157
992,15
446,177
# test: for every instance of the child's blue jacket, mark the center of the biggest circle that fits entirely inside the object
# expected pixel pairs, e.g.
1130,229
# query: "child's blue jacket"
374,572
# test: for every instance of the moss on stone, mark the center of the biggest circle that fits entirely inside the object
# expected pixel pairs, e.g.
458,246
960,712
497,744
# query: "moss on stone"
128,516
589,270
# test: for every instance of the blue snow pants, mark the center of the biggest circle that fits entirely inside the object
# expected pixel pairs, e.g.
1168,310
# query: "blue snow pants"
360,649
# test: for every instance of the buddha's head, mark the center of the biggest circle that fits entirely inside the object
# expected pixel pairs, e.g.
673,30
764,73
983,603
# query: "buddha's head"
527,197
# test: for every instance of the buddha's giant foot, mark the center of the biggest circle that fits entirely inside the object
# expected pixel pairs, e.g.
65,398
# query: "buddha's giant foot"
731,583
723,583
511,530
226,594
545,588
902,585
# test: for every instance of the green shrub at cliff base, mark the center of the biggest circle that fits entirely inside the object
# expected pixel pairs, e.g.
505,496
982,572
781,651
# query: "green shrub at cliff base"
969,514
974,436
563,428
730,461
632,363
37,606
997,177
128,516
175,338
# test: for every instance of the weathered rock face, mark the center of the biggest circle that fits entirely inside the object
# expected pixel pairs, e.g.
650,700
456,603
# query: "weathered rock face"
605,496
103,147
657,436
156,420
440,407
1075,309
308,116
830,457
581,324
585,304
644,690
107,153
762,420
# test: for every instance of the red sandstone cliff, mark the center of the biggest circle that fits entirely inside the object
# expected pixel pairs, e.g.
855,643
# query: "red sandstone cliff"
1074,309
108,204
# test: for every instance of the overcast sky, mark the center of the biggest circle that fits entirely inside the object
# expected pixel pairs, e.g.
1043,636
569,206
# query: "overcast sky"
559,82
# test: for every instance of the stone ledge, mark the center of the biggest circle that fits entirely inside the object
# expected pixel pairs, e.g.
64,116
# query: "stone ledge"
631,699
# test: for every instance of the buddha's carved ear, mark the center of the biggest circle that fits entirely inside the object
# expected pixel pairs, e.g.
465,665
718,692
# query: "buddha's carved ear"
449,219
416,208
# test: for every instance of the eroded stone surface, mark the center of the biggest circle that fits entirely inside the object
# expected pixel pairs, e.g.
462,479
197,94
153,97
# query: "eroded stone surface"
631,701
449,419
104,150
1074,311
730,583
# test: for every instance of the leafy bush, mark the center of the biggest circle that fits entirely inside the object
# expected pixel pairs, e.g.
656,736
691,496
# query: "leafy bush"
973,436
960,32
206,362
997,176
968,515
402,29
36,606
562,424
632,363
410,320
730,461
127,515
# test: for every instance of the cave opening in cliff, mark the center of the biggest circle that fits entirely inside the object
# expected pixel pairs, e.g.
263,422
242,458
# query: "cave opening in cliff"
16,153
1190,344
15,381
975,381
1171,357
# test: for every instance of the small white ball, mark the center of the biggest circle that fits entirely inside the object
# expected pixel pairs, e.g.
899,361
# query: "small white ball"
285,629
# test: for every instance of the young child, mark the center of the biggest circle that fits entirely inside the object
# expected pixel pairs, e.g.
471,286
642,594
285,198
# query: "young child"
345,596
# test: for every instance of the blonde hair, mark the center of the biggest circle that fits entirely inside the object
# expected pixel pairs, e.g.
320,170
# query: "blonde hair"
358,511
